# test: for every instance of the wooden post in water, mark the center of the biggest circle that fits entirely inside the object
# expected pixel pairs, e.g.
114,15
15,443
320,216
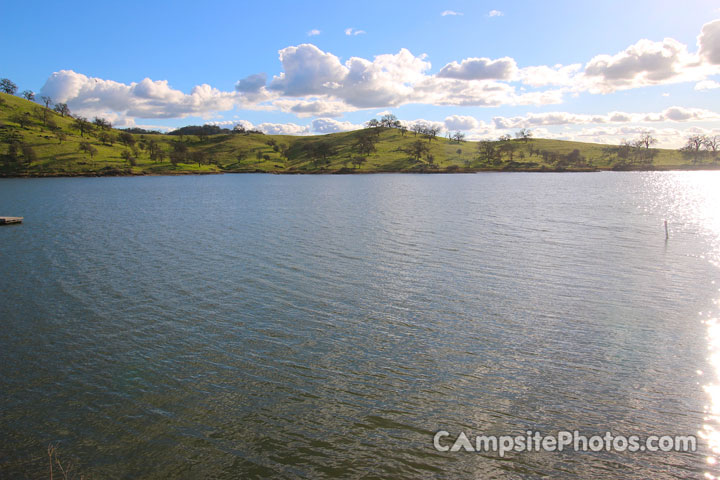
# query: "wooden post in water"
666,231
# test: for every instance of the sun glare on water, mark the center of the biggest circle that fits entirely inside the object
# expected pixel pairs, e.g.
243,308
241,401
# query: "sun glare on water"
697,204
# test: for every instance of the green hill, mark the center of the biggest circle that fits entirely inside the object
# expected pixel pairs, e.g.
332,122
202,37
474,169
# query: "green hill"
35,141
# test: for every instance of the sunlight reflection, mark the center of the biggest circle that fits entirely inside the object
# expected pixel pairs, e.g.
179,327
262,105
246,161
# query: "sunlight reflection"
697,202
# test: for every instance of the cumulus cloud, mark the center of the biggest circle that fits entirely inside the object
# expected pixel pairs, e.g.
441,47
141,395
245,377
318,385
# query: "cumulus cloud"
450,13
667,137
709,42
313,32
307,70
543,75
316,83
352,32
682,114
145,99
424,123
707,85
495,13
460,122
283,129
330,125
480,69
386,81
642,64
252,83
672,114
314,107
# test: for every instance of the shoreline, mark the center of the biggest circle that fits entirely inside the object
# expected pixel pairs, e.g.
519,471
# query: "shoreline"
348,171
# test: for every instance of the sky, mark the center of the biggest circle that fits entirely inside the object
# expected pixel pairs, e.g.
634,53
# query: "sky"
587,71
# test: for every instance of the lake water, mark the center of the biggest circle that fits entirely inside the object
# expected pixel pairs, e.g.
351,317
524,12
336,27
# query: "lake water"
244,326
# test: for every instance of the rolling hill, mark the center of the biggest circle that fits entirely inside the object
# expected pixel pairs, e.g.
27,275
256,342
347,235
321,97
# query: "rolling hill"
35,141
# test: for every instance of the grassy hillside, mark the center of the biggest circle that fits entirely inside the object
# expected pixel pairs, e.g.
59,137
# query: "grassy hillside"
36,141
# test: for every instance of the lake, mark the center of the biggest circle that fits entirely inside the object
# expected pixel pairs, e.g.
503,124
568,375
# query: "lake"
248,326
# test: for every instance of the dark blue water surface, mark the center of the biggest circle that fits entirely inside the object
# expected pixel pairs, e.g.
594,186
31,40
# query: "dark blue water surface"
244,326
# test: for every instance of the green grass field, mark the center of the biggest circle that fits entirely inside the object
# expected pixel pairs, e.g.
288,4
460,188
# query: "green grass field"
35,141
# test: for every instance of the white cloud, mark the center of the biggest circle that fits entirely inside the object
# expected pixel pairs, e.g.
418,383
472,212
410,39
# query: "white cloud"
352,32
307,70
425,123
667,137
284,129
672,114
313,32
386,81
543,75
460,122
495,13
391,80
313,107
643,64
682,114
709,42
146,99
450,13
707,85
329,125
252,83
315,83
480,69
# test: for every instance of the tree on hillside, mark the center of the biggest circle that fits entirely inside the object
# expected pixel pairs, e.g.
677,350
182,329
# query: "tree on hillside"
198,156
358,161
325,150
22,119
152,147
712,144
106,138
417,128
179,153
507,146
87,148
389,121
29,155
128,157
46,100
457,137
28,95
524,134
156,153
417,149
13,154
102,123
432,132
127,139
82,125
7,86
647,140
62,109
365,144
693,147
486,149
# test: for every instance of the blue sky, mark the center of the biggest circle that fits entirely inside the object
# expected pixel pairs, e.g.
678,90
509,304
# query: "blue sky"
593,71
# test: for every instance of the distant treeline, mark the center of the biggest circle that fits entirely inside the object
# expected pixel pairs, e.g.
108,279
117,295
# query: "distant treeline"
198,130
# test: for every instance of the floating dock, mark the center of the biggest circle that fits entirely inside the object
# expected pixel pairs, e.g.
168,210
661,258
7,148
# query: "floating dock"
10,220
